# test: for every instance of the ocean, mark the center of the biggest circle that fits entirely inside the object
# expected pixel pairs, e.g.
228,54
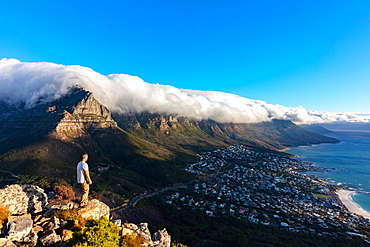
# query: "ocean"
348,162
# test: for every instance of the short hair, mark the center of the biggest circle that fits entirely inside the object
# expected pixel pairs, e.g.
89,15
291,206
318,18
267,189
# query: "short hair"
84,155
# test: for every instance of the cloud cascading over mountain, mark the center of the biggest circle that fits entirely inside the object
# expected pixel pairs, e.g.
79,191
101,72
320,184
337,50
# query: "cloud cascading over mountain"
34,83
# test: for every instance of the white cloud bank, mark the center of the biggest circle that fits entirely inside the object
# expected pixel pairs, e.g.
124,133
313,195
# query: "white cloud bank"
31,83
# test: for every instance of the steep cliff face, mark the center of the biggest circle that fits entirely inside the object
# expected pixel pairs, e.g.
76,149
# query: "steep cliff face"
160,122
277,134
69,116
88,113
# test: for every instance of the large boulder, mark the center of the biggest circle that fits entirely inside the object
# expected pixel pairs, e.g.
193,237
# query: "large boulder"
18,228
50,238
95,209
22,199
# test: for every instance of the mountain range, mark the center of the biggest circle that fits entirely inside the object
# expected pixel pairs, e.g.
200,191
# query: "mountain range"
34,83
138,151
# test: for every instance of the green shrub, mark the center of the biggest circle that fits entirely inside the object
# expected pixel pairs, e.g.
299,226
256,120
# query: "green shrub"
45,183
101,187
96,233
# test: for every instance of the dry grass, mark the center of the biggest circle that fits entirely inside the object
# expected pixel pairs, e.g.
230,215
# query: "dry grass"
64,192
72,215
4,214
132,240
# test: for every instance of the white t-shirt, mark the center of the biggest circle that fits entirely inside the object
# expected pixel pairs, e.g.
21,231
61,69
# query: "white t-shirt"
81,167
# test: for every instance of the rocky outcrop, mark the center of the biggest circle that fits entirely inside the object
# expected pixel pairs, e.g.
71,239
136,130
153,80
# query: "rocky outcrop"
18,228
95,209
22,199
155,121
34,222
50,237
88,113
159,239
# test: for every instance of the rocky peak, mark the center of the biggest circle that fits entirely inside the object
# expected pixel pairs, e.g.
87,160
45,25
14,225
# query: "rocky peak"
69,116
84,113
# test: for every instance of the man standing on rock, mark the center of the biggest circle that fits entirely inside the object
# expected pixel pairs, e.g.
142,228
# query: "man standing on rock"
83,179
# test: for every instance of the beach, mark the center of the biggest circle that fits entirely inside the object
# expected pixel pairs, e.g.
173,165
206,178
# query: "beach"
347,164
346,199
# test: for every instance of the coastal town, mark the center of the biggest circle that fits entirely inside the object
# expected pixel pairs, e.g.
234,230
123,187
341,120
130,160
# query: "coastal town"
267,188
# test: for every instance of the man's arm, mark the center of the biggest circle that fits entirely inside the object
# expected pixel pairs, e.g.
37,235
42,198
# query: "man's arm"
87,176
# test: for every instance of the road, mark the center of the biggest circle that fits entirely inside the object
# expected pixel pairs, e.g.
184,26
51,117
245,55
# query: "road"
138,198
11,173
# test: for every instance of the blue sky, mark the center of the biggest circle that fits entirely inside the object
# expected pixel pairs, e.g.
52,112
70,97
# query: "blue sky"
314,54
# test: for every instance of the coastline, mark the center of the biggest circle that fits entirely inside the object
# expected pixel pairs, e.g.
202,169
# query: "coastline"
345,197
